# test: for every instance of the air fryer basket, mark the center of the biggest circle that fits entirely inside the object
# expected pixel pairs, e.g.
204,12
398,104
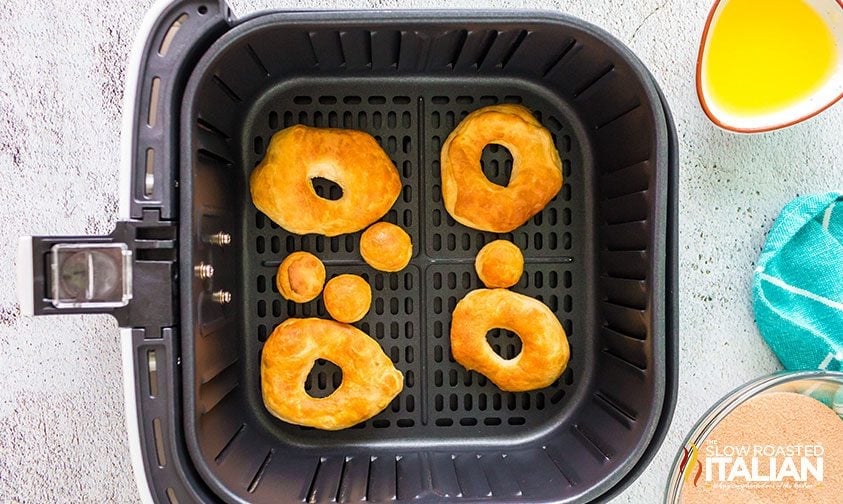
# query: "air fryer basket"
597,255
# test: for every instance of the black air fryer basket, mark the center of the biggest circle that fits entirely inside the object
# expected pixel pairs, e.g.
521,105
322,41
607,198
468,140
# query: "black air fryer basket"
190,271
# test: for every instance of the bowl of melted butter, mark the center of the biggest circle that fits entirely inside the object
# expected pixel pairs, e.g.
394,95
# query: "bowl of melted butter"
769,64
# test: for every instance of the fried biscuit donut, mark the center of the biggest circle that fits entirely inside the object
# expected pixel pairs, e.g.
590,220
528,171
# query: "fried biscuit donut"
499,264
300,277
544,345
282,187
369,380
476,202
386,247
347,298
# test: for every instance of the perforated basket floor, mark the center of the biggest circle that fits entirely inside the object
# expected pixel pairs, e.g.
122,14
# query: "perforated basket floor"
595,255
410,314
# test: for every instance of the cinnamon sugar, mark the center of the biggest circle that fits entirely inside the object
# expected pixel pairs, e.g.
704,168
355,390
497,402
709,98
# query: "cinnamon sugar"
779,447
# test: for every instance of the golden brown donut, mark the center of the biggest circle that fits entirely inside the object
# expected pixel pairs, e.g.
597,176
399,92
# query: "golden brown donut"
470,197
300,277
544,345
499,264
369,380
282,188
386,247
347,298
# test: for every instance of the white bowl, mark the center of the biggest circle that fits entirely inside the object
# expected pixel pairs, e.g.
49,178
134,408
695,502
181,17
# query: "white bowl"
832,90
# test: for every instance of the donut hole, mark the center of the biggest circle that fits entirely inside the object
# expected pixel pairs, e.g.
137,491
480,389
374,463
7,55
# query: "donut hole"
505,343
496,162
324,378
326,189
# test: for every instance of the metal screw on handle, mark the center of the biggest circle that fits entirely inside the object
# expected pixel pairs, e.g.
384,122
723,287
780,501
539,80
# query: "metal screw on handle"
221,297
203,271
221,239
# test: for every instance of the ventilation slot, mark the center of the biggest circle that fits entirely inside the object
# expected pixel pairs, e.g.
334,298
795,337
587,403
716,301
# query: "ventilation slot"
637,368
591,443
626,236
340,51
488,41
459,45
210,128
253,485
256,60
385,49
616,117
207,377
342,481
625,292
221,455
218,388
213,158
167,41
559,459
149,173
471,477
557,397
158,433
513,49
630,265
309,36
356,49
353,472
620,413
226,89
624,319
382,483
367,49
327,49
626,181
583,88
152,362
152,110
311,490
557,60
627,209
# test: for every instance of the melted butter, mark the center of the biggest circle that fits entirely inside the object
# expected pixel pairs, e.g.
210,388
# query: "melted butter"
765,55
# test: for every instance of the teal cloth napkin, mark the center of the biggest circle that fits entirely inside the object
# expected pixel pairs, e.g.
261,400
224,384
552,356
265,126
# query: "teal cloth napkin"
798,284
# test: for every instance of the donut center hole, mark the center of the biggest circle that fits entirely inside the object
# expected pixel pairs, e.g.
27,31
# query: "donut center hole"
496,162
324,378
326,189
505,343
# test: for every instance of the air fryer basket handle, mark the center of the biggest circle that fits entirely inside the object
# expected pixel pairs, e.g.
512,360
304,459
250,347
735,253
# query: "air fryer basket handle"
129,274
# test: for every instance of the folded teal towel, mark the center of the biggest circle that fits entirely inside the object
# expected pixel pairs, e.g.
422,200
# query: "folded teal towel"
798,284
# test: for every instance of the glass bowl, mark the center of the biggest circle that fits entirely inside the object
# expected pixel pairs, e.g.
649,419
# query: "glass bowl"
824,386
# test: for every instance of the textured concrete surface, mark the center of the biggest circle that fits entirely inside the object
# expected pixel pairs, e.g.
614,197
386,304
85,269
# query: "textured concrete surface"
62,434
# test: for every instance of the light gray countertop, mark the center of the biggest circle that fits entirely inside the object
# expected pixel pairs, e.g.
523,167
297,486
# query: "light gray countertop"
62,433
